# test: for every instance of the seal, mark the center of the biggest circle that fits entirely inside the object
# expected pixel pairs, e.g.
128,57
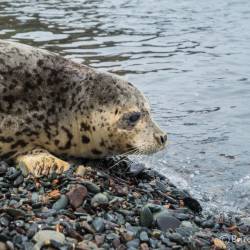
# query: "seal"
52,107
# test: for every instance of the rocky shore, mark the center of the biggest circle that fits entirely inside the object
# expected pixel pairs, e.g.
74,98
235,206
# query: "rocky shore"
109,204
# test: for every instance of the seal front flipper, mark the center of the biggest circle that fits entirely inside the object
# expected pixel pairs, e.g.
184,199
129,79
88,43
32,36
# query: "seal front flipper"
40,162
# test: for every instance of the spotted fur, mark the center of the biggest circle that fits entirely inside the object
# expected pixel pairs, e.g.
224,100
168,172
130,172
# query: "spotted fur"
67,108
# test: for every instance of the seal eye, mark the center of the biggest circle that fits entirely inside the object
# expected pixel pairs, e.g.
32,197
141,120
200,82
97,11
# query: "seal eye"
134,117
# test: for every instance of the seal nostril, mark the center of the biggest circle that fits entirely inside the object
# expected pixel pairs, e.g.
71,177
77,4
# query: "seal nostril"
163,139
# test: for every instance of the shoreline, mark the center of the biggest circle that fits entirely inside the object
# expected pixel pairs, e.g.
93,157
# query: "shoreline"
109,205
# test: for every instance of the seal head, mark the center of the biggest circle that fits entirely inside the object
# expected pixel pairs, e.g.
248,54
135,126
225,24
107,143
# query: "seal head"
115,119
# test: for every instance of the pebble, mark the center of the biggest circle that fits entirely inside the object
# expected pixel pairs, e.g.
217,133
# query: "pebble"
81,171
3,167
61,203
144,236
92,187
136,168
133,243
24,169
146,217
219,244
165,221
99,199
98,224
18,181
46,235
3,246
176,237
99,240
77,196
144,246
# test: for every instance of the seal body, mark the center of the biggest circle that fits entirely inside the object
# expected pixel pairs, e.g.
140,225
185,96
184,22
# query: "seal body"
69,109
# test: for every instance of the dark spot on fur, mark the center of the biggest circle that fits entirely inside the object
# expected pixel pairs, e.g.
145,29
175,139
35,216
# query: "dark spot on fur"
19,143
85,126
6,139
102,143
85,139
8,155
40,63
69,137
96,152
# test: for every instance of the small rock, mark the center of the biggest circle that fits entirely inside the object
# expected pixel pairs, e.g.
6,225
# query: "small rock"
176,237
87,227
219,244
165,221
3,167
17,213
3,246
116,243
111,236
46,235
144,236
128,236
133,243
61,203
146,217
156,233
92,187
77,196
24,169
99,239
98,224
136,168
81,171
18,181
193,204
99,199
144,246
87,245
208,223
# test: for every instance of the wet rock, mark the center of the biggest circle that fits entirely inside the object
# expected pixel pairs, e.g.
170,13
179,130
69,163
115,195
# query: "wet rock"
146,217
24,169
3,167
18,181
208,223
77,196
98,225
61,203
165,221
176,237
193,204
136,168
99,199
16,213
92,187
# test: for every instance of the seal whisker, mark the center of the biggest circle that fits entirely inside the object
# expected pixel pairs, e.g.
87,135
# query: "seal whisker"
124,156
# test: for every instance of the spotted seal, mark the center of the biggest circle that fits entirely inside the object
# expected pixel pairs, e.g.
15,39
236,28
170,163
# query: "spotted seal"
52,107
